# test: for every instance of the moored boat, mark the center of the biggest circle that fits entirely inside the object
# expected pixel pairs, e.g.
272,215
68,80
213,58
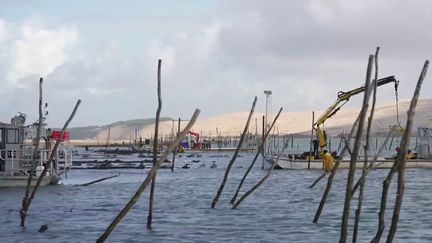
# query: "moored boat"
16,154
303,164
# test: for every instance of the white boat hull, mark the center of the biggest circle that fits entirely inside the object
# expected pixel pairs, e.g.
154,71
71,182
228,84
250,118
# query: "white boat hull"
21,181
296,164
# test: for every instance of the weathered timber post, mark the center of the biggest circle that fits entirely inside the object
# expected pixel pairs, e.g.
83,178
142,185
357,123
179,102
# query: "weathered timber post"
175,151
225,178
311,139
98,180
51,158
25,201
260,151
366,149
404,147
260,182
372,163
263,142
332,174
399,159
356,148
155,145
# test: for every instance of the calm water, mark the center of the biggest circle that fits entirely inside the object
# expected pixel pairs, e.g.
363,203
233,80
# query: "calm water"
280,211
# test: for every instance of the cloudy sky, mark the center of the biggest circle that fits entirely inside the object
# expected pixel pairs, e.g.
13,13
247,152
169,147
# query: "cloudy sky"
216,55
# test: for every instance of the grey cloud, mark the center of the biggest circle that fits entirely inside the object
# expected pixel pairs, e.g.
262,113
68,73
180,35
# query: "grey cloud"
305,51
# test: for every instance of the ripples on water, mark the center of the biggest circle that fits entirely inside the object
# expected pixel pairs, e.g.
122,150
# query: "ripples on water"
281,210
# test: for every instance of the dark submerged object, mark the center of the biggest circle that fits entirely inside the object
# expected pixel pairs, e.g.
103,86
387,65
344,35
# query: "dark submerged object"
43,228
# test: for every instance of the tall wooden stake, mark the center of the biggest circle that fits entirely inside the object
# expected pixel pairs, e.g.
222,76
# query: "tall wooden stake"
366,149
375,158
357,144
264,138
46,165
225,178
155,145
404,147
25,202
259,152
311,139
260,182
398,161
175,151
332,174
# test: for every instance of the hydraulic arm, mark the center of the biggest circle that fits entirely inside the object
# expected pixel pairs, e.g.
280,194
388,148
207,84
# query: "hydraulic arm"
342,98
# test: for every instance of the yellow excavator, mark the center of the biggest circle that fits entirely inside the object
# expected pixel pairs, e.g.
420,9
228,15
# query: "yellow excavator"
342,98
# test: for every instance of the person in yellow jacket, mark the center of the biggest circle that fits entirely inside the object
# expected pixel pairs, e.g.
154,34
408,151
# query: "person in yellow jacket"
328,161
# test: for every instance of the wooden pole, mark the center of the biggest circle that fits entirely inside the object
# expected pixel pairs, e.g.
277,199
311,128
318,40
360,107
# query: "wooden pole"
292,141
260,182
155,145
175,151
333,173
225,178
311,139
317,180
263,137
372,163
366,149
98,180
259,152
404,147
46,165
25,202
356,148
149,177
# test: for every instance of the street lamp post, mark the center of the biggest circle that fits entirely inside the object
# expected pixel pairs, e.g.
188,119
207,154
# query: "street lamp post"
267,93
266,126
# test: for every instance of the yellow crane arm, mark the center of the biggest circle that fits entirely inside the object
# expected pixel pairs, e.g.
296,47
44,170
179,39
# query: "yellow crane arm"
342,98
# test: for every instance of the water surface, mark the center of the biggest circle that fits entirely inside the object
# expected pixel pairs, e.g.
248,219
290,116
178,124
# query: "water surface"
281,210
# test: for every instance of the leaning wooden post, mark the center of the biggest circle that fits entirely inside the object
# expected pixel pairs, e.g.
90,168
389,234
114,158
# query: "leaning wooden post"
260,150
356,148
333,173
260,182
225,178
317,180
372,163
155,145
51,158
263,136
366,149
311,139
98,180
381,214
147,180
387,181
25,201
403,146
175,151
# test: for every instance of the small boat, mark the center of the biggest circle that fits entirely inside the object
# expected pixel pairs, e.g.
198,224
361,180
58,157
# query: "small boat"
16,154
317,164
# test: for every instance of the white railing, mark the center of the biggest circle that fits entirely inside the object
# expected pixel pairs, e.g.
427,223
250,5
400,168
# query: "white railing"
66,153
24,158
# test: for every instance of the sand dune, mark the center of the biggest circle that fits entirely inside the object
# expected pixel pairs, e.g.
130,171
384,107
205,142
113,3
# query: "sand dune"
288,123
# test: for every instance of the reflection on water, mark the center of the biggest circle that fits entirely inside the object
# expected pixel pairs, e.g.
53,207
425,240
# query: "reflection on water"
280,211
